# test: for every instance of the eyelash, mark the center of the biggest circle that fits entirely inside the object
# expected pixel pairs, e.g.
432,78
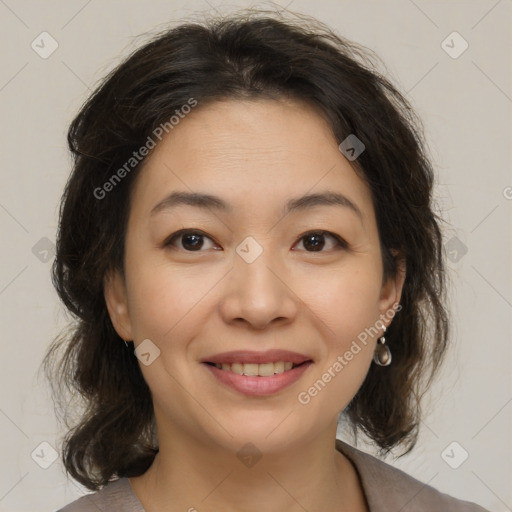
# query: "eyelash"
340,243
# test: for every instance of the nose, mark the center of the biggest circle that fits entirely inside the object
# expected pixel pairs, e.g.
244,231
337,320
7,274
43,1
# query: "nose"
258,294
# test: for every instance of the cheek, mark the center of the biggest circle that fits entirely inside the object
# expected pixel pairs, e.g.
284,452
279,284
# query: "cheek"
346,301
348,309
163,299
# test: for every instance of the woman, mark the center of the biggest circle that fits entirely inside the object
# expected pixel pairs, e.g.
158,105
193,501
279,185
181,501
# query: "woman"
248,243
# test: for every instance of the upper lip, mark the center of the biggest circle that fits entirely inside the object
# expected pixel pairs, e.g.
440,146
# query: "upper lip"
248,356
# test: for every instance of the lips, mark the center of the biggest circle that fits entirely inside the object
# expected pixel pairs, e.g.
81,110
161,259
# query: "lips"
257,373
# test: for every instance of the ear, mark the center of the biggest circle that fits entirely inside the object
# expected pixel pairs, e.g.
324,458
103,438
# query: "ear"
391,291
114,289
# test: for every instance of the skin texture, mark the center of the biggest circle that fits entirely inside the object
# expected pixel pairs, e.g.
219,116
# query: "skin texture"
192,304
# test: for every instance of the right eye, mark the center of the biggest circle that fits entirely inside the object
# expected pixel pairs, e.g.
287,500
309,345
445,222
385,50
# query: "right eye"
191,240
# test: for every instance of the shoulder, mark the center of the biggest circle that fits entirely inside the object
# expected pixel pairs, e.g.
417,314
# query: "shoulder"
114,497
389,488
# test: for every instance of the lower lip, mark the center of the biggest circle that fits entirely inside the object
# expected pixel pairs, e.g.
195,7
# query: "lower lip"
259,386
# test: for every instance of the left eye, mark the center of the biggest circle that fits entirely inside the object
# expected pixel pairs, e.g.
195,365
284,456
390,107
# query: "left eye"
315,240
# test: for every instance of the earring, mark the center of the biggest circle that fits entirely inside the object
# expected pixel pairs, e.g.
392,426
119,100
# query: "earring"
382,354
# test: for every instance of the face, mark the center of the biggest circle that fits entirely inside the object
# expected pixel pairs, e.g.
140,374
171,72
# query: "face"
253,269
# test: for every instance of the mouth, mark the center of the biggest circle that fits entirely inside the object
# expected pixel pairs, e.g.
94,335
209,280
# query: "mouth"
258,373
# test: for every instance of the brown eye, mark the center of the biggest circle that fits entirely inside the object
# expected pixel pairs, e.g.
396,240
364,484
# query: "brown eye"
315,241
191,241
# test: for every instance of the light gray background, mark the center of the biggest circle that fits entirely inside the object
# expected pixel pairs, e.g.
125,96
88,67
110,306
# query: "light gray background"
465,103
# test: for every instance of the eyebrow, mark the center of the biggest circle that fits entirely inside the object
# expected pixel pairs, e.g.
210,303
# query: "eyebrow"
207,201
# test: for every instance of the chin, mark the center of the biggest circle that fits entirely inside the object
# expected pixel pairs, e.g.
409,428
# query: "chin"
265,430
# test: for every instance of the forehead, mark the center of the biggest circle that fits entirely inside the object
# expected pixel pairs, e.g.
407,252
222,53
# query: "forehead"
252,153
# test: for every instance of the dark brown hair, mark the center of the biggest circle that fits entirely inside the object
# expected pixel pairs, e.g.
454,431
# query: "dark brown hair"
250,54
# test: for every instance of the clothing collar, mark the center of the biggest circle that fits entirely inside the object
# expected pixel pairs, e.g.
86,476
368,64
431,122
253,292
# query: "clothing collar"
387,488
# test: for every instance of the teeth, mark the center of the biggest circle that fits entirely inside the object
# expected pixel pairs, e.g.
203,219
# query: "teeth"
237,368
279,367
253,369
265,370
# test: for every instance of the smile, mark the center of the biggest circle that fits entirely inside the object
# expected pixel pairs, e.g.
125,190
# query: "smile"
257,373
256,379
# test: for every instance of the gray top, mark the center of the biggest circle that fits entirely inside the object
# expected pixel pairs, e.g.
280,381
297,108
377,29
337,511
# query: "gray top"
387,489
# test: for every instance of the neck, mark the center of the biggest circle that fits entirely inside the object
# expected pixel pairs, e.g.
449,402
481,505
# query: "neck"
193,475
